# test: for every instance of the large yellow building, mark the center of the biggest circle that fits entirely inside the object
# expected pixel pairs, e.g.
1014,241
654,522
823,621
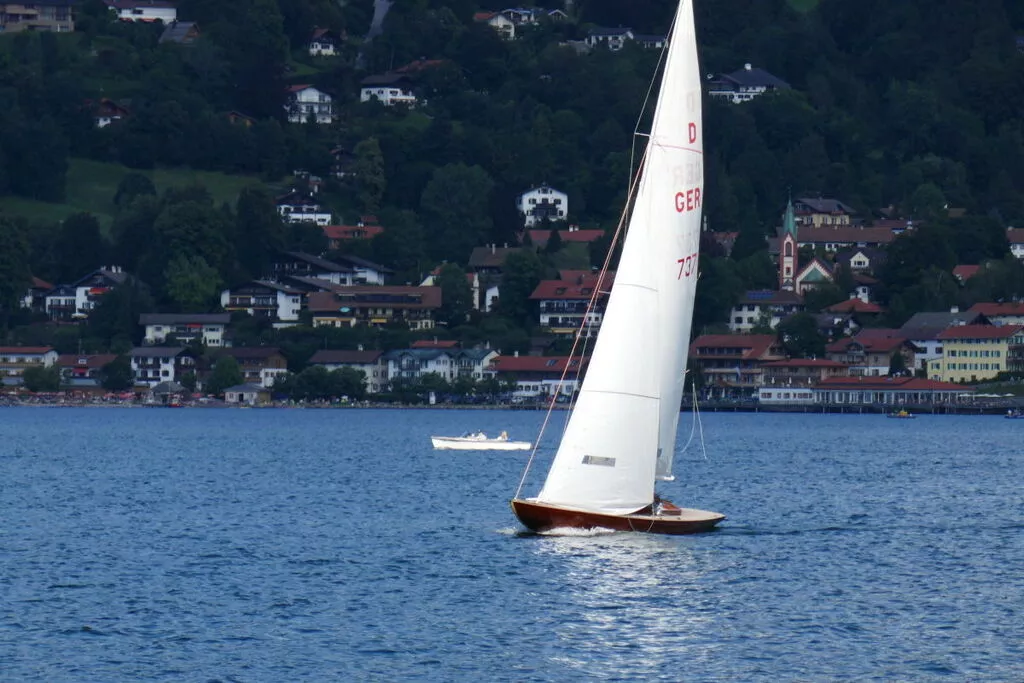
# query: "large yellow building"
972,353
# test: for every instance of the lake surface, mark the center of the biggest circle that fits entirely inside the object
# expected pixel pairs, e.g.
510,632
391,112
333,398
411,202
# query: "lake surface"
314,545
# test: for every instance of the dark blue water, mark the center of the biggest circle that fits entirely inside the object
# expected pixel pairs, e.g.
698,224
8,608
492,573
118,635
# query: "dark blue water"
291,545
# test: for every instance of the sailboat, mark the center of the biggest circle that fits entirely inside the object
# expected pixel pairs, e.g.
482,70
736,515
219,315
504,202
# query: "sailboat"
620,437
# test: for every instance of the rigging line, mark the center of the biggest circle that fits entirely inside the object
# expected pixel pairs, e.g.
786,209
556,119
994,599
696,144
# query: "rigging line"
575,344
662,59
700,424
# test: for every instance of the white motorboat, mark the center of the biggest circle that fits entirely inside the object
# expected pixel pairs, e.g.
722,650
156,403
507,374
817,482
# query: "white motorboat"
478,441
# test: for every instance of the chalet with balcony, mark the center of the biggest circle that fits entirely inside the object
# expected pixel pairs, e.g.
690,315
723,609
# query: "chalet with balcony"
308,103
733,364
563,304
300,264
764,308
76,301
14,360
389,89
185,328
370,363
1015,236
744,85
301,207
35,297
264,300
324,43
871,354
106,111
152,365
415,307
83,372
539,378
144,10
449,364
260,365
39,15
613,39
488,260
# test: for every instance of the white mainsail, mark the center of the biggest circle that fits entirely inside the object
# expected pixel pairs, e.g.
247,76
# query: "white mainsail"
621,435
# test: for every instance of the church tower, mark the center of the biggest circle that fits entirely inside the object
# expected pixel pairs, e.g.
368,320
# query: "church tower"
788,250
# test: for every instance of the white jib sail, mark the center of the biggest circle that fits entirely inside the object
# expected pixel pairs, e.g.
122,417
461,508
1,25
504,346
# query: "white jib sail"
621,435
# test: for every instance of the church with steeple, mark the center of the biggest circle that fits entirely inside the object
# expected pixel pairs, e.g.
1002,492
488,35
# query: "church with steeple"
788,252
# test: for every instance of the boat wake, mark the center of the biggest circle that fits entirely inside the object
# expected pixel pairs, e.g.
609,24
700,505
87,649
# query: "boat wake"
575,532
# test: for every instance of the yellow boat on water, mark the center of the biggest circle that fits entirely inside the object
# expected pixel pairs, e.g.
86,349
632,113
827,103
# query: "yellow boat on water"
902,414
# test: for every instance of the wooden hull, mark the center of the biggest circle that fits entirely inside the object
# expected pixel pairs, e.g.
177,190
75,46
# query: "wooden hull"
538,516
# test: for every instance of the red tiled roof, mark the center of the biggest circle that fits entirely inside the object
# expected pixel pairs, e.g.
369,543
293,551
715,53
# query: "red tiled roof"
871,343
891,383
980,332
483,16
352,232
552,364
997,309
298,88
40,284
804,363
560,289
1015,235
98,360
854,306
26,349
370,296
748,345
965,273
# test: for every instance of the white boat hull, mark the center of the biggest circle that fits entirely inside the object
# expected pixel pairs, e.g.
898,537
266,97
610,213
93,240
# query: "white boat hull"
454,443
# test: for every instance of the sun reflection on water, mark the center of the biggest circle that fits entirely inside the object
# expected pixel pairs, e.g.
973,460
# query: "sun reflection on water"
637,601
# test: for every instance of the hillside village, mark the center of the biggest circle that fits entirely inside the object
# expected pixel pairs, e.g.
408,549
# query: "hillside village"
324,285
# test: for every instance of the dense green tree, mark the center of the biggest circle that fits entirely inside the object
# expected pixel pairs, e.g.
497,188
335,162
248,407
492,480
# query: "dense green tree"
14,272
133,185
117,375
799,335
115,320
454,207
259,231
521,273
368,170
226,373
192,285
456,296
80,248
38,378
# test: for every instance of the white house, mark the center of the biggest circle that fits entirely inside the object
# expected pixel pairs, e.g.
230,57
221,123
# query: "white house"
450,364
543,202
370,363
14,360
264,300
305,101
76,301
540,377
324,43
185,327
769,307
1016,238
499,22
247,394
296,207
745,84
612,38
144,10
389,88
154,364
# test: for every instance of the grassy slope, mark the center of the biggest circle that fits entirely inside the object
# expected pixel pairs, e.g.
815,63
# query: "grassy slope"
91,187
